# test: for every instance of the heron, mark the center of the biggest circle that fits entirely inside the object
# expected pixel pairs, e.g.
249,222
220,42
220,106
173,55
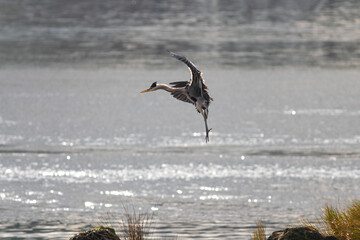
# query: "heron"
194,91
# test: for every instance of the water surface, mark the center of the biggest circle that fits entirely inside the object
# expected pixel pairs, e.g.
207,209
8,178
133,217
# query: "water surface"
79,145
261,33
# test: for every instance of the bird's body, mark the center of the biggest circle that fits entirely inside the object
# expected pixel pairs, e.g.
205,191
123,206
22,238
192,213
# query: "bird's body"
194,91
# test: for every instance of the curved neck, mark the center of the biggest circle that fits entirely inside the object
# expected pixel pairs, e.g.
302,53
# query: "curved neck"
164,87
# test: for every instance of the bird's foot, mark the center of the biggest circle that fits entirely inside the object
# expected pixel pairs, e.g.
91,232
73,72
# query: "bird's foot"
207,135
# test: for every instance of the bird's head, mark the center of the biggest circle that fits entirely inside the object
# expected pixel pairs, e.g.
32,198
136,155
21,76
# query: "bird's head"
152,88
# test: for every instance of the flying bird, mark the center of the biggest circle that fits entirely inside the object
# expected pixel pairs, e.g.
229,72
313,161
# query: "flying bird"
194,91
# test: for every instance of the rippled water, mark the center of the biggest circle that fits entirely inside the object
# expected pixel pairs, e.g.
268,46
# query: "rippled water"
76,146
78,143
230,33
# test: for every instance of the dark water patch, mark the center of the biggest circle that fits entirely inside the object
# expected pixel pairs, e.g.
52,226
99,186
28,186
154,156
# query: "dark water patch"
304,153
210,149
36,230
245,34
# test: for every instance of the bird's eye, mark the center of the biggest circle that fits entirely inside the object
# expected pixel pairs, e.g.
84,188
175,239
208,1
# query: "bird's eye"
153,85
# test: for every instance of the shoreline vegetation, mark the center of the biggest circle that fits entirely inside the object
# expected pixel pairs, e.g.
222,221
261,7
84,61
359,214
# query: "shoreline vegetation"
334,223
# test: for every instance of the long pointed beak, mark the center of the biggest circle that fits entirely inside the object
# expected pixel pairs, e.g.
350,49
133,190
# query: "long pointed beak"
147,90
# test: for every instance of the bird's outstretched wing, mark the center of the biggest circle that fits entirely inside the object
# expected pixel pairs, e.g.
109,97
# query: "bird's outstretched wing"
191,66
197,83
181,95
179,84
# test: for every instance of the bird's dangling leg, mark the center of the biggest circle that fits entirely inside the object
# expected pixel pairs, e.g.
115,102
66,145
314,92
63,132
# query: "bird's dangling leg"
206,126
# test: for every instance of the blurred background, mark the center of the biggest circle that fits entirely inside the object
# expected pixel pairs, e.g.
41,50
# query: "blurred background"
257,33
78,142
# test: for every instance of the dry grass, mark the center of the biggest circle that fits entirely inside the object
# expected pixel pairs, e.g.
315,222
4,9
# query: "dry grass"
135,226
259,233
132,225
341,223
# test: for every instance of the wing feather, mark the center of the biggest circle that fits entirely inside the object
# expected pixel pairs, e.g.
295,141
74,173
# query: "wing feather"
192,66
179,84
181,96
197,85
